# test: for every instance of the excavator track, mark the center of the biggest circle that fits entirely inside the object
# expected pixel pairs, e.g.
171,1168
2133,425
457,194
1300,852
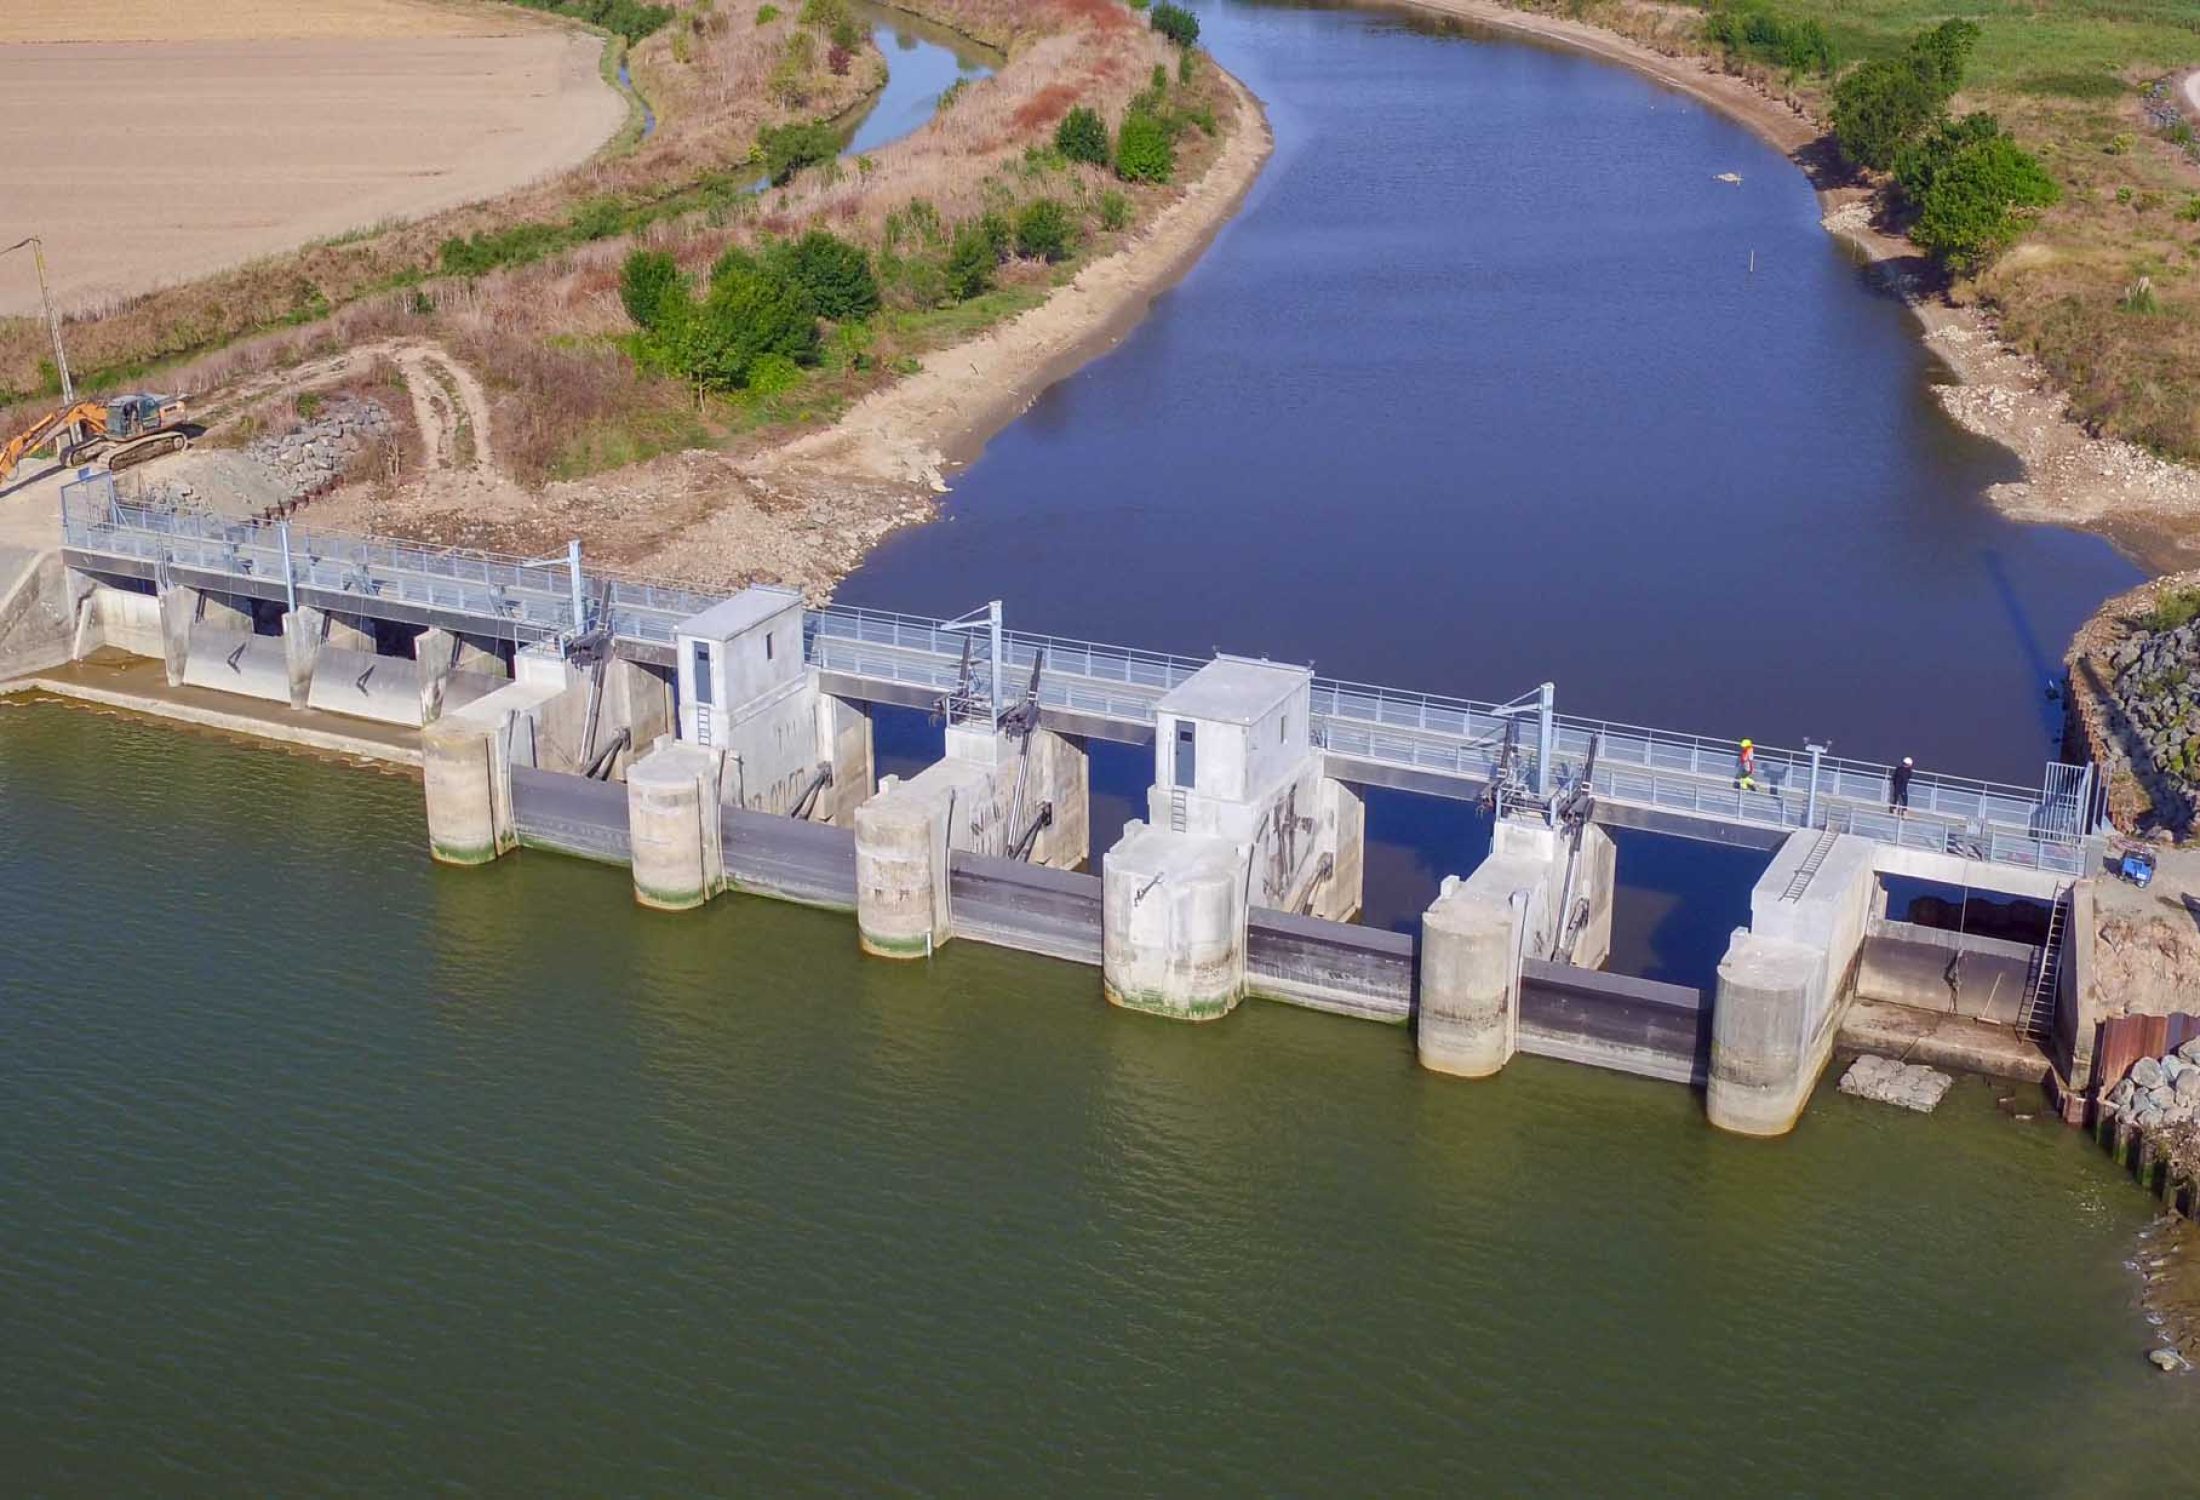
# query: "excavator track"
130,454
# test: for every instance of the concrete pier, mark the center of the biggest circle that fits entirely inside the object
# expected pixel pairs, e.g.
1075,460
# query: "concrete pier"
1784,981
994,791
467,756
1173,924
672,816
1236,779
120,619
1544,893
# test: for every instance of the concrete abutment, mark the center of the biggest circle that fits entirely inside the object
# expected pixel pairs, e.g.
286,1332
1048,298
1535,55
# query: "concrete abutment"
1784,981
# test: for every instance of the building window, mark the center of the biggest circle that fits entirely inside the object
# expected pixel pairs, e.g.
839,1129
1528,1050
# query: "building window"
767,645
702,673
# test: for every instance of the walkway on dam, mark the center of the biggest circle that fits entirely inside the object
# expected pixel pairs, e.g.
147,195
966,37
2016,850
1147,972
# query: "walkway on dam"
1670,782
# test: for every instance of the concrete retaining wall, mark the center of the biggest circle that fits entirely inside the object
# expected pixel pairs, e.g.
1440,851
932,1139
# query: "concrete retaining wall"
1333,966
37,612
571,814
812,863
1010,904
1930,968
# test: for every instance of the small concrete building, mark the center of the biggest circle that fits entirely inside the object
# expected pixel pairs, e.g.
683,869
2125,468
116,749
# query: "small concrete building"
744,687
733,655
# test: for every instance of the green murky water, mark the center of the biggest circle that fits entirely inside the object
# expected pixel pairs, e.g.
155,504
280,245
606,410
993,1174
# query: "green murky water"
325,1169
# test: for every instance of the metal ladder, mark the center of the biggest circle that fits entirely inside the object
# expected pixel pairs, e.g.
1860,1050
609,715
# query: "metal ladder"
1176,809
2036,1018
1807,871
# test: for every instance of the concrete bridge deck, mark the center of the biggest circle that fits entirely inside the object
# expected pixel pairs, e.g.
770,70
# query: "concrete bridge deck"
1669,782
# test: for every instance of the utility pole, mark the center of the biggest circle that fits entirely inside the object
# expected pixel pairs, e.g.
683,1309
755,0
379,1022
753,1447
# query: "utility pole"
53,320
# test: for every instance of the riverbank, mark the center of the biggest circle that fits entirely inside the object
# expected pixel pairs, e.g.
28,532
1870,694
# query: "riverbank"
2147,506
807,510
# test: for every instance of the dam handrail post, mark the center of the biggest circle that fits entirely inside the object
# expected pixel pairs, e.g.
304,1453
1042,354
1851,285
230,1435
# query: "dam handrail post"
1546,729
1810,809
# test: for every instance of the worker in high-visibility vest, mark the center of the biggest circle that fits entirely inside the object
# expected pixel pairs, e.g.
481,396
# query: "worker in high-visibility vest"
1745,765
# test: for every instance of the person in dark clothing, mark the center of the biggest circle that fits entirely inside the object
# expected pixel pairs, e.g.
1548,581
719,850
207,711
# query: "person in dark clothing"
1898,787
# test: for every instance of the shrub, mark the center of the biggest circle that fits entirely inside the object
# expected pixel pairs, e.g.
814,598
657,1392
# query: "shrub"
1975,205
1750,30
1043,230
1187,65
1880,106
824,14
2139,299
1877,107
1938,55
1917,164
478,254
970,263
787,149
837,59
833,274
599,219
2173,610
766,14
1143,151
1176,23
790,80
1115,210
748,315
625,18
773,375
1082,136
645,281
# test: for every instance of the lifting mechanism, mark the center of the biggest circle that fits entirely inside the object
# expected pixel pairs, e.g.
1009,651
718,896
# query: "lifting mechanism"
1019,721
1573,810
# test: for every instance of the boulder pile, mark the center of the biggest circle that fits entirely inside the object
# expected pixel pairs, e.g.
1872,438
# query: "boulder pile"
2157,692
311,458
2159,1094
1905,1085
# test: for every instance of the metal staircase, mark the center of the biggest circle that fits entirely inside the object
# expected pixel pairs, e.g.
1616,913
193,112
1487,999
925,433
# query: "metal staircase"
2037,1017
1813,861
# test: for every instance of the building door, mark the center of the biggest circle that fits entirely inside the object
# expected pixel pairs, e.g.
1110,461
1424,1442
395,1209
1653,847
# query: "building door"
1187,764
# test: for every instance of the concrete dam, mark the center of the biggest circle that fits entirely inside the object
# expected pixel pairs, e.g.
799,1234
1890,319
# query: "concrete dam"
713,744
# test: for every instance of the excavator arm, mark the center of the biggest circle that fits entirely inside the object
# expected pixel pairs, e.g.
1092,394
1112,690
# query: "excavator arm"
92,414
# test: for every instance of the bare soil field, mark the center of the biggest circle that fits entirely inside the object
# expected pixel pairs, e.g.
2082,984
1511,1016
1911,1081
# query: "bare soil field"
147,162
244,20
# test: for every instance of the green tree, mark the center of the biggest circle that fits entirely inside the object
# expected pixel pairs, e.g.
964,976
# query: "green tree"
1921,161
1877,107
748,314
1939,55
1043,230
787,149
835,275
645,282
1143,150
1176,23
1979,202
1083,136
970,263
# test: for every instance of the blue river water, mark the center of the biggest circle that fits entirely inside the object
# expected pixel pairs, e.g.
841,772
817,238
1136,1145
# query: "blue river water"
1480,389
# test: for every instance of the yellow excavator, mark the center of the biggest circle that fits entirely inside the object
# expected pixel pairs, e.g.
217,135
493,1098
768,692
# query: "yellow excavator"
127,430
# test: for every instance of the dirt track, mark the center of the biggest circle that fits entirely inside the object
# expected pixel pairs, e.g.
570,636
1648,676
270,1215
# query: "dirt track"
258,125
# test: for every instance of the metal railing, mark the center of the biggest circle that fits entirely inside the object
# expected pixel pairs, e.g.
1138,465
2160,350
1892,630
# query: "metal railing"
1693,775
